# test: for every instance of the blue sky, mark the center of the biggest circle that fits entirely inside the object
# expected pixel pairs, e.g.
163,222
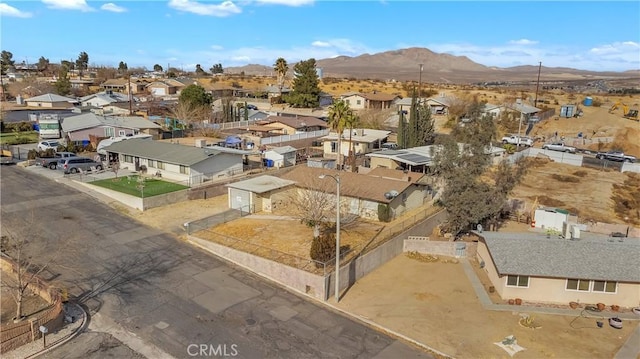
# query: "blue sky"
587,35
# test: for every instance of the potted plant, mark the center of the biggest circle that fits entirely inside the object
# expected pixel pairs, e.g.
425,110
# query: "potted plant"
511,301
574,305
518,301
615,322
600,306
615,307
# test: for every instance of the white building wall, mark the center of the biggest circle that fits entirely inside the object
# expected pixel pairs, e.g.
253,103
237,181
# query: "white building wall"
550,220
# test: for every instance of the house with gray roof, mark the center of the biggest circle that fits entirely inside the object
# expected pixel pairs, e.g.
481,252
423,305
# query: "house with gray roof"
284,156
188,165
51,100
359,140
585,268
82,127
105,98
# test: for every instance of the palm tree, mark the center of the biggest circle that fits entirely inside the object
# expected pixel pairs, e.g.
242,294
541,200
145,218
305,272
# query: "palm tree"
281,68
351,121
338,112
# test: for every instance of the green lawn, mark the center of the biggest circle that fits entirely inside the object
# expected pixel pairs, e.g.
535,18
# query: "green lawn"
130,185
15,138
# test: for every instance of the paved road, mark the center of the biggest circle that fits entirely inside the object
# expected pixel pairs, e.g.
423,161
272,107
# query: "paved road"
161,296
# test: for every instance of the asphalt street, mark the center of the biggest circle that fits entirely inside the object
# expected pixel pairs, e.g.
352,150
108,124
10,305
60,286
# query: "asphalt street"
163,297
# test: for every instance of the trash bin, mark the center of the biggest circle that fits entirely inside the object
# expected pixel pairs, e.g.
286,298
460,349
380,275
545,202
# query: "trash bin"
269,163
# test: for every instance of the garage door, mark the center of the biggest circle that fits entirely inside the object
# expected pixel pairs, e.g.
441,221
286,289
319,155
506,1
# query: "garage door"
159,91
240,199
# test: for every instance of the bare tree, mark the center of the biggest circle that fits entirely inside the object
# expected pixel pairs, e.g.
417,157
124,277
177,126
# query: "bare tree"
314,206
34,251
115,167
194,115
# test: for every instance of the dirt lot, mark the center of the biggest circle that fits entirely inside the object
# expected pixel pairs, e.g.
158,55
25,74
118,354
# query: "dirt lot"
581,190
435,304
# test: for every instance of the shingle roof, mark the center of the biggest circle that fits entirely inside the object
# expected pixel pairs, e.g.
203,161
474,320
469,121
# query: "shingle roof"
108,97
261,184
284,149
592,257
524,108
297,121
89,120
162,151
355,185
368,137
379,96
50,97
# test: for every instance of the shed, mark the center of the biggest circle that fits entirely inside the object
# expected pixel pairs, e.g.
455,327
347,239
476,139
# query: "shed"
281,156
568,111
551,218
257,194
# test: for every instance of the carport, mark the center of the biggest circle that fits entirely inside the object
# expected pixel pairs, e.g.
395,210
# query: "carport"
263,193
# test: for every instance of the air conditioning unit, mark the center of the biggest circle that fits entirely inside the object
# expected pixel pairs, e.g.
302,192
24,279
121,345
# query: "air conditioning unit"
566,230
575,232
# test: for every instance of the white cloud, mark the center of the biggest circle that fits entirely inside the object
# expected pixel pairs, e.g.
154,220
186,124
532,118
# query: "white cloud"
523,42
6,10
112,7
286,2
225,8
320,44
68,5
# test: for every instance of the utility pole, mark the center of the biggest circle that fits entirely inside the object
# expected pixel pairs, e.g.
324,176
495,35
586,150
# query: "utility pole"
130,97
420,84
535,103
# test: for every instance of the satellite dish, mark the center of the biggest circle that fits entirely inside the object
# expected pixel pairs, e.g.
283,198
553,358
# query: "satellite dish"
388,195
479,227
394,193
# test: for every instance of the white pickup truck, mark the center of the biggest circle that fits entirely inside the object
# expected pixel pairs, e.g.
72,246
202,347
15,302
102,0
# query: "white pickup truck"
559,146
515,140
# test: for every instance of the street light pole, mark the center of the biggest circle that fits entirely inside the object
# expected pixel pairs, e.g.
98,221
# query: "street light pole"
337,179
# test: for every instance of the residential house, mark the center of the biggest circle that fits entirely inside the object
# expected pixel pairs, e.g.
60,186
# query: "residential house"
439,105
219,90
364,141
364,195
289,125
417,159
51,100
118,85
492,110
325,99
284,156
188,165
521,111
161,88
375,100
105,98
80,84
550,269
274,91
81,127
258,194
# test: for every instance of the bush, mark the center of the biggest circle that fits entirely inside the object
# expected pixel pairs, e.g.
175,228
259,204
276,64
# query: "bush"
563,178
384,213
32,154
323,248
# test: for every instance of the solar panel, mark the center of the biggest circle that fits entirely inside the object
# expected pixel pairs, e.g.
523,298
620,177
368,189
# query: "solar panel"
415,158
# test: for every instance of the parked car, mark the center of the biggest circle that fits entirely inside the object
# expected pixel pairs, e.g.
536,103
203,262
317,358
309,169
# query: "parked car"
6,158
252,107
559,146
618,156
45,145
514,140
52,162
77,164
389,146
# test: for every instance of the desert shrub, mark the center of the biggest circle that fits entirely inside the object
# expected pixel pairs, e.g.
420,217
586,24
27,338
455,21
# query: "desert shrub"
550,202
323,248
580,173
626,199
32,154
384,213
596,102
563,178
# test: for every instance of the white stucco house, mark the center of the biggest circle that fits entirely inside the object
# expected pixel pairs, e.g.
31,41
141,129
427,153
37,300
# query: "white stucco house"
188,165
535,267
364,141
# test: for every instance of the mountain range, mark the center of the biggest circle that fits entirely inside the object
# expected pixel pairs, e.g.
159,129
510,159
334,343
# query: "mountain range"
404,65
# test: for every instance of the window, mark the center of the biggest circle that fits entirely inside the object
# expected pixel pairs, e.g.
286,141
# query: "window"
358,102
121,133
347,102
604,286
152,163
517,281
128,158
578,284
334,146
184,170
109,131
160,165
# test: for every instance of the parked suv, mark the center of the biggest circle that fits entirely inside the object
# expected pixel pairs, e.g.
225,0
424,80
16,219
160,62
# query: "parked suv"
45,145
77,164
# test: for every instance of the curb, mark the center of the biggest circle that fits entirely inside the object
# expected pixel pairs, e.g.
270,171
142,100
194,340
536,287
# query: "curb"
83,326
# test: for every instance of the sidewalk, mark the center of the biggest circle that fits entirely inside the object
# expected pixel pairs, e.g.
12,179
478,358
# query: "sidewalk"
72,312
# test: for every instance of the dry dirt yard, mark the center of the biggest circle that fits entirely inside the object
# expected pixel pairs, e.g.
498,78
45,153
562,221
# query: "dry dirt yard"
581,190
31,304
434,303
